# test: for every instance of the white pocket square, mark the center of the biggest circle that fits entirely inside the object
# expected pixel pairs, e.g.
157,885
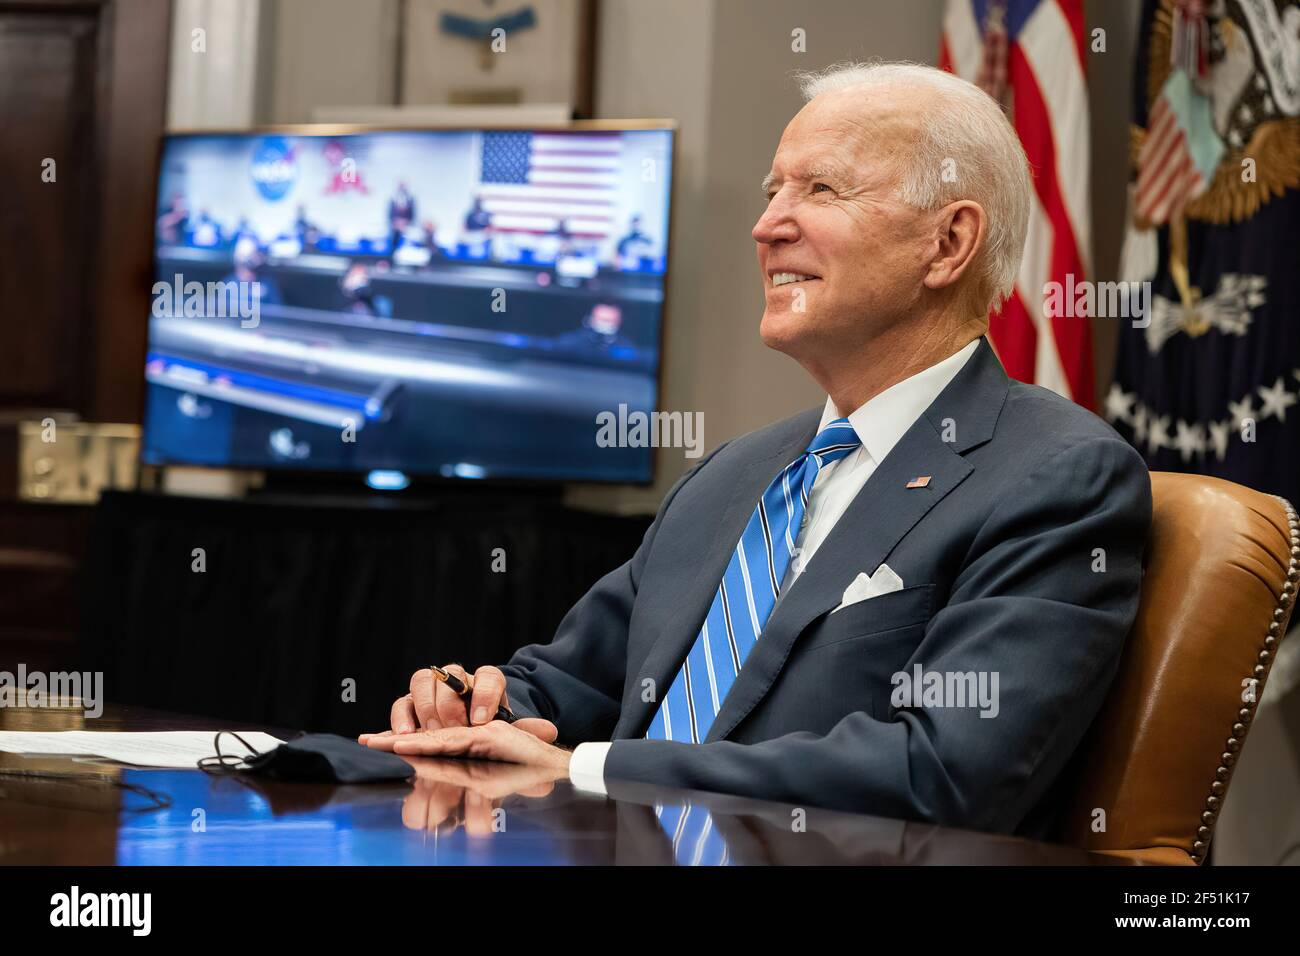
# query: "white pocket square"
868,586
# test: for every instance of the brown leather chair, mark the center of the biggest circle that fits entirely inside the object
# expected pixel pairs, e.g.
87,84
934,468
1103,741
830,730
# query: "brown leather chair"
1219,586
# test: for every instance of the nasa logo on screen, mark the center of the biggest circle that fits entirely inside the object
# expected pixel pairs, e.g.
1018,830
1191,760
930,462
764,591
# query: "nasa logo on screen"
275,168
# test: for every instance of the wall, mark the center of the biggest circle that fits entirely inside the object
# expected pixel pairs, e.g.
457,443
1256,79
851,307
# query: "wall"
217,47
1110,97
329,53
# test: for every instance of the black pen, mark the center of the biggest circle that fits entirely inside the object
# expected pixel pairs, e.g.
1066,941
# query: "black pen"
461,689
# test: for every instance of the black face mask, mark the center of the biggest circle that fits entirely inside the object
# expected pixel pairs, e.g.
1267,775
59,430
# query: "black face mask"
311,758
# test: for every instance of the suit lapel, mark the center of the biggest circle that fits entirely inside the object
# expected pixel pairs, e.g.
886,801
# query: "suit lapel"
883,511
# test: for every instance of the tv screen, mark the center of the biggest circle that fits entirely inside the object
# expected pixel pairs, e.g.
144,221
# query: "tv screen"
464,303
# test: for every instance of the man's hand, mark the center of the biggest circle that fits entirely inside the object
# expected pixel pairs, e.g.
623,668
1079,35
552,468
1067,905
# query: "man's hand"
431,705
496,740
449,793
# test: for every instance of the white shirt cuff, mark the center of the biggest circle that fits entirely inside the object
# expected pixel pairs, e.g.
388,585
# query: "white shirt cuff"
587,767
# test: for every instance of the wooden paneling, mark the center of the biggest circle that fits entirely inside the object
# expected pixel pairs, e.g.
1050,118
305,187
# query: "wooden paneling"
132,96
82,83
47,98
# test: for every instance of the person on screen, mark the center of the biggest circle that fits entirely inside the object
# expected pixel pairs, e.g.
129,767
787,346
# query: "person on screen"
306,231
887,604
564,236
401,213
359,297
207,231
478,219
477,232
247,261
632,245
599,334
174,221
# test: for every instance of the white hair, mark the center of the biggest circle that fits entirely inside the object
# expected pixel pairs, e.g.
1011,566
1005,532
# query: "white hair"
965,149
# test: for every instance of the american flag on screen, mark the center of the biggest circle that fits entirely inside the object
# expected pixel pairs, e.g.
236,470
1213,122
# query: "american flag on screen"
530,182
1029,55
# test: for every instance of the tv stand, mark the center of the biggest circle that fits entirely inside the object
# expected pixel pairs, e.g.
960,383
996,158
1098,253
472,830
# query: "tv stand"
295,597
353,490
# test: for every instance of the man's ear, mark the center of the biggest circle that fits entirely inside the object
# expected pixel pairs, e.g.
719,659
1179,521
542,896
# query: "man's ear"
960,231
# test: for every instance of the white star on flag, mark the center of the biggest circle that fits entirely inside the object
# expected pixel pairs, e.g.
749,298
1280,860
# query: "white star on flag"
1219,438
1119,404
1190,439
1276,400
1240,411
1158,433
1140,424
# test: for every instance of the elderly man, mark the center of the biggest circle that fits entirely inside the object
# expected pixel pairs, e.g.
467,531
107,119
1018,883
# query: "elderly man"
910,603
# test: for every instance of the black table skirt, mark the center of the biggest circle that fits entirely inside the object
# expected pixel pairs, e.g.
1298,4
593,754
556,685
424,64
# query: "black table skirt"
299,598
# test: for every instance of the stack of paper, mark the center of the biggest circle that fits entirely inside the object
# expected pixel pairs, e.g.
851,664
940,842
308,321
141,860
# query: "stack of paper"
172,748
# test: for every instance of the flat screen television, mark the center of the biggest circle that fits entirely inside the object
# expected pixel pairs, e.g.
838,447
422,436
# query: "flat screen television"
461,303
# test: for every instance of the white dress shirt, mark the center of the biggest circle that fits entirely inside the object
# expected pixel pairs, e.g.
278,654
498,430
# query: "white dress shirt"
879,424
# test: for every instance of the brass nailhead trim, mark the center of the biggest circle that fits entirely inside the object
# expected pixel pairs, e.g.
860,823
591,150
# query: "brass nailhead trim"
1201,843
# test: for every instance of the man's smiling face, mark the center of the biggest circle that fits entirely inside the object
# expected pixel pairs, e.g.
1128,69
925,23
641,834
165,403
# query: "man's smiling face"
841,258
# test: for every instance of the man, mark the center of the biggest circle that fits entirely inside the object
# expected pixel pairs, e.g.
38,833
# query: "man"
308,232
477,231
957,525
174,221
478,219
599,336
247,262
358,295
401,213
632,245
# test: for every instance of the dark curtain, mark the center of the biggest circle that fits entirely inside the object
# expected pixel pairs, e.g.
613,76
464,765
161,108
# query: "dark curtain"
298,598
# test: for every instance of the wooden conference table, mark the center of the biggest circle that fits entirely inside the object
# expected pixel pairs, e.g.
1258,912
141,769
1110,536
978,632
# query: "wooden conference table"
453,813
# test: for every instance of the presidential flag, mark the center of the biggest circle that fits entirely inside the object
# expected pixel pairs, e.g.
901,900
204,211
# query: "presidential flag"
1209,380
1029,55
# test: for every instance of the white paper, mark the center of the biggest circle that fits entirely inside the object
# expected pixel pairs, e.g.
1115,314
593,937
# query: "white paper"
181,749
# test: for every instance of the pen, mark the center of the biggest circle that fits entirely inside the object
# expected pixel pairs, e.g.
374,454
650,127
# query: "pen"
460,688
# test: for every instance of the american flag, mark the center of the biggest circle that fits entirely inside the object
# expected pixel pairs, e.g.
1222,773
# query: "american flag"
1029,54
1179,155
1181,150
530,182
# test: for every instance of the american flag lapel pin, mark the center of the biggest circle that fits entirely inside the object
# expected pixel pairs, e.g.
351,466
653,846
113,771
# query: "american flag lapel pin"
919,482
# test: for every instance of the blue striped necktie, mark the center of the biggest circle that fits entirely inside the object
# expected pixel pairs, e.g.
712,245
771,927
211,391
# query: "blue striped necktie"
696,842
747,594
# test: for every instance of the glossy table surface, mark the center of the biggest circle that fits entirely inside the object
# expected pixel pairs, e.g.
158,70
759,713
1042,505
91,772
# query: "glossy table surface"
77,811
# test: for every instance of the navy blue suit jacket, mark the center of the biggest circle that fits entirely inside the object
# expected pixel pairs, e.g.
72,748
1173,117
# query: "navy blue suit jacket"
1022,556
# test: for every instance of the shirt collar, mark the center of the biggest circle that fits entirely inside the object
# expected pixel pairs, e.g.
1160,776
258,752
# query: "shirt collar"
884,419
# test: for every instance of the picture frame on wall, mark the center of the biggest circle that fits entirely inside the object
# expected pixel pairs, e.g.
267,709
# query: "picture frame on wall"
498,52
